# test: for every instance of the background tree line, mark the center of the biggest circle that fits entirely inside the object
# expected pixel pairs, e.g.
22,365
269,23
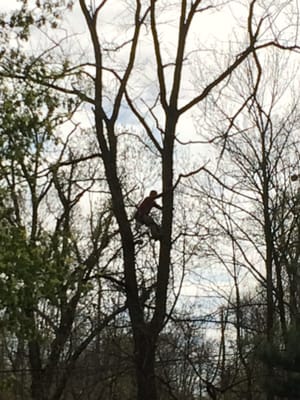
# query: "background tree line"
88,126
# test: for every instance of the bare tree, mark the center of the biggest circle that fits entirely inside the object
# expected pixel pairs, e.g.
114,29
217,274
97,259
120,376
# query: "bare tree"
256,202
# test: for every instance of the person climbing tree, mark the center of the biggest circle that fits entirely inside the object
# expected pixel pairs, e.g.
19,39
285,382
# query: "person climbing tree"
142,216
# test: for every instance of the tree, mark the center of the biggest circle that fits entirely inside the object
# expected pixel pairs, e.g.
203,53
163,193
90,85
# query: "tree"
46,267
106,84
255,204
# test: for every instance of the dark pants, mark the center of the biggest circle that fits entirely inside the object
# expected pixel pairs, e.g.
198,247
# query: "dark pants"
152,225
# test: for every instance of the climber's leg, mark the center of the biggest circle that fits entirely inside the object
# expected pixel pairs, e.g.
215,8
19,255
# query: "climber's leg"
155,231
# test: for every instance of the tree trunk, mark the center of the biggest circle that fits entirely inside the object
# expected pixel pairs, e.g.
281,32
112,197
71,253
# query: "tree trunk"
145,345
269,258
37,381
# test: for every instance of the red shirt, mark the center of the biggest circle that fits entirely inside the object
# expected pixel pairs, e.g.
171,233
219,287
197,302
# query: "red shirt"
145,207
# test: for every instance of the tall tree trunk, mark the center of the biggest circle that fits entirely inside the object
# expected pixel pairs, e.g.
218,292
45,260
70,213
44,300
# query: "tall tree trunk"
145,346
269,257
37,381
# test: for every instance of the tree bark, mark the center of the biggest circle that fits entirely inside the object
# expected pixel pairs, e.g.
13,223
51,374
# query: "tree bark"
145,346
